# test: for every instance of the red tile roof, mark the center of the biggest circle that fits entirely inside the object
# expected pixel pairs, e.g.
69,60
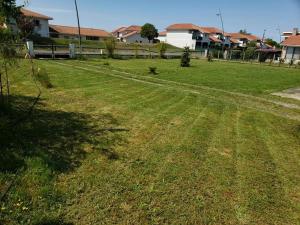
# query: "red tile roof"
292,41
183,26
214,39
119,30
29,13
163,33
130,34
249,37
211,30
84,31
134,28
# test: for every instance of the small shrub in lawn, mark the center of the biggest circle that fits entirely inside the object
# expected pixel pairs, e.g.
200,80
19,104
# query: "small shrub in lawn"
209,58
186,58
162,48
43,78
152,70
110,45
106,64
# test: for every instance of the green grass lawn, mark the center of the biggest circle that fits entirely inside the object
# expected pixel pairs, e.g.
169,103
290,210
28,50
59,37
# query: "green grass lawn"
108,147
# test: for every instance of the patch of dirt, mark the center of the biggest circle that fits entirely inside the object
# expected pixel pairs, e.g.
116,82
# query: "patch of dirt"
293,93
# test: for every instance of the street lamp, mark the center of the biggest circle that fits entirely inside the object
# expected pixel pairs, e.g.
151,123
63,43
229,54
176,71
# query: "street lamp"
78,23
221,17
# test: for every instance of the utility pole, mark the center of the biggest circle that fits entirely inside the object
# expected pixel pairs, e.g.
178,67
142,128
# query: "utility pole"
263,38
79,30
221,17
279,31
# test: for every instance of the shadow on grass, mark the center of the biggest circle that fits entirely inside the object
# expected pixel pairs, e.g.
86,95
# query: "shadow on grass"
61,139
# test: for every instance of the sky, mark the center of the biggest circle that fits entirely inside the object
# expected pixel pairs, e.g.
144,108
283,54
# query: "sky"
253,15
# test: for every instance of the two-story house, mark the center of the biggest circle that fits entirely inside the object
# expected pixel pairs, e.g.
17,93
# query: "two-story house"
131,34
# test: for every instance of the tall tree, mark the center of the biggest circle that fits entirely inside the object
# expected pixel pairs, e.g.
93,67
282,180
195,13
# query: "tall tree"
243,31
8,11
149,31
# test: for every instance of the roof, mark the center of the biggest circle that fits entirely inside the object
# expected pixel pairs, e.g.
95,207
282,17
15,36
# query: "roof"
84,31
183,26
29,13
130,34
249,37
211,30
134,28
121,29
234,41
214,39
292,41
163,33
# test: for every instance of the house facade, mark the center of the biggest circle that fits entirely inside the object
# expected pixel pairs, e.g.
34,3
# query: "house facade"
286,35
41,22
241,40
291,48
131,34
71,33
195,37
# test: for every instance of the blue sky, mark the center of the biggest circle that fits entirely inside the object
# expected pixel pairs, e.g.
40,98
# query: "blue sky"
253,15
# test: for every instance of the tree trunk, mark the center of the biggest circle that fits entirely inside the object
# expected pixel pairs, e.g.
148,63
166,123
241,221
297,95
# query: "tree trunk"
7,83
1,90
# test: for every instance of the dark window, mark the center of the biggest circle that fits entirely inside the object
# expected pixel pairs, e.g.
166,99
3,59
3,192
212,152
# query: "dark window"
37,23
92,38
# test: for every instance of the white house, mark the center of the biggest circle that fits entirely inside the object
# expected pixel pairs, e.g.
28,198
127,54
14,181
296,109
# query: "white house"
41,22
286,35
162,36
131,34
195,37
291,47
241,40
67,32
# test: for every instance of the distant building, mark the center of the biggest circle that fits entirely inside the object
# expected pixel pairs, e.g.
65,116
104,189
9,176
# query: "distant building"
195,37
67,32
41,22
291,46
131,34
287,34
241,40
162,36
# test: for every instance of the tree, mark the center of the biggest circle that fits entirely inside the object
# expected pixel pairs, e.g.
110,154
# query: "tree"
252,44
273,43
149,31
243,31
162,48
8,11
185,58
110,45
26,26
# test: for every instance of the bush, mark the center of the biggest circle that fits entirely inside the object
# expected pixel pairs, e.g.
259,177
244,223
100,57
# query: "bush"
152,70
217,54
186,58
250,53
43,78
110,45
162,48
210,57
236,54
263,56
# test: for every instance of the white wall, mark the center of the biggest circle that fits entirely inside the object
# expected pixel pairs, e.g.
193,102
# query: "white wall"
181,39
162,38
289,53
135,38
43,29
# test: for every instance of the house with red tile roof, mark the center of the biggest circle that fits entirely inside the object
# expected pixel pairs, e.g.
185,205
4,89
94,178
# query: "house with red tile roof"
195,37
41,22
68,32
291,47
131,34
241,40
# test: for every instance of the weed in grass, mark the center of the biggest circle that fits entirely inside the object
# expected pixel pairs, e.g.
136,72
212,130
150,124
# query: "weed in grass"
153,70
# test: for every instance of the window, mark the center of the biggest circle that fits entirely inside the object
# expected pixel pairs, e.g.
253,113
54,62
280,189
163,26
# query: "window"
37,23
92,38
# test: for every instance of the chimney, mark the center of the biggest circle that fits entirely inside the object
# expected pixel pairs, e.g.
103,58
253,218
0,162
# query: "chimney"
295,31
